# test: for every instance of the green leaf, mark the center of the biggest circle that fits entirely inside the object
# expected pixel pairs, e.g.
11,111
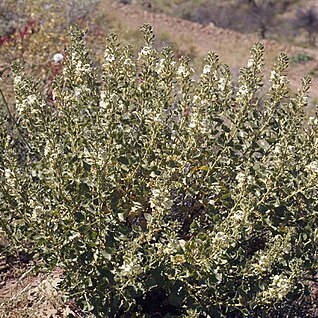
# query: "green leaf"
79,216
243,296
87,167
124,160
177,294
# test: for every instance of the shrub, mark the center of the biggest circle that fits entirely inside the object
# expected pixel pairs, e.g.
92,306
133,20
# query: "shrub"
163,195
9,17
301,58
35,23
308,20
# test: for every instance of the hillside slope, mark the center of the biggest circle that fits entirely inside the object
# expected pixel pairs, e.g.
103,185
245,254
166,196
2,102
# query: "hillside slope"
232,47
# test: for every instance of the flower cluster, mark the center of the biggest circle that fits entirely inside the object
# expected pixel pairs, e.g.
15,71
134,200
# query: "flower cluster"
279,287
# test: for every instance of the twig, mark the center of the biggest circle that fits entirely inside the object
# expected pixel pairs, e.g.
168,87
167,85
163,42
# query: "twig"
13,119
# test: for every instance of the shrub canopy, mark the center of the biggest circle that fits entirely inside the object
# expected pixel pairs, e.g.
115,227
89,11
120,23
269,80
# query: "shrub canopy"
161,192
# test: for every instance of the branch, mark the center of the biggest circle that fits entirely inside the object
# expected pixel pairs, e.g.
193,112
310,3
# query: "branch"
12,118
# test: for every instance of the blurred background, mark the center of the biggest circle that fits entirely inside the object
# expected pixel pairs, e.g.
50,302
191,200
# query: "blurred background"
34,30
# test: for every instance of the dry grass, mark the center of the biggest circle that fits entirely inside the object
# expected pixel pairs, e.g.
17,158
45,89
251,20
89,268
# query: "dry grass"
33,296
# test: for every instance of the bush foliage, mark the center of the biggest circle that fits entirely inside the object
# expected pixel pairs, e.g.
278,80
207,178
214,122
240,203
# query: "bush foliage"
162,193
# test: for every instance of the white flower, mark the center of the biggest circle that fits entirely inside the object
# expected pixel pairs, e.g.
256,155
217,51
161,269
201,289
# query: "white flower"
222,84
240,178
220,236
47,148
275,279
313,120
313,166
238,215
291,148
7,173
77,91
160,66
283,285
195,99
167,203
109,58
192,124
128,62
243,90
31,99
37,210
79,66
278,288
242,134
102,102
17,80
181,70
273,75
206,69
304,100
128,269
27,103
277,149
278,78
102,95
250,63
58,57
156,193
146,50
9,176
157,118
20,107
262,260
182,243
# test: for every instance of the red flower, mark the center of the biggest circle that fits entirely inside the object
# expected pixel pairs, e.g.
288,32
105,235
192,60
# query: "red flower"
3,40
23,32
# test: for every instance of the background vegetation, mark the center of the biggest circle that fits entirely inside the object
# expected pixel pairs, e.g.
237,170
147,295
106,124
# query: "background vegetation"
283,19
